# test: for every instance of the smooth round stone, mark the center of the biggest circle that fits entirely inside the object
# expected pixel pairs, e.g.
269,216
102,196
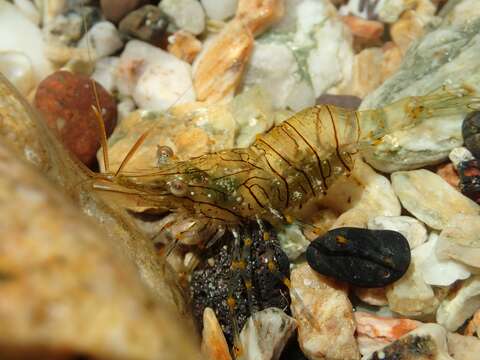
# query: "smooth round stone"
115,10
18,69
147,23
186,14
365,258
471,133
65,101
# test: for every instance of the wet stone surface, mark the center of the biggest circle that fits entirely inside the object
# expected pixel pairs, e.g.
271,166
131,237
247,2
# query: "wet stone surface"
210,283
365,258
469,172
471,133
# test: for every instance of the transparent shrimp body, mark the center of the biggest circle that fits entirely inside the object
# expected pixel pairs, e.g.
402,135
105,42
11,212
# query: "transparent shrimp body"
285,167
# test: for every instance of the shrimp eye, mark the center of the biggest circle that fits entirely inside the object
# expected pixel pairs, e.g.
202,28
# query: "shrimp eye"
164,153
178,188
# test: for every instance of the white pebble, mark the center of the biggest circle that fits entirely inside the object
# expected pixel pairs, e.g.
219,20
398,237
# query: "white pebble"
186,14
29,10
17,68
459,155
436,271
104,72
220,9
28,41
413,230
103,39
156,79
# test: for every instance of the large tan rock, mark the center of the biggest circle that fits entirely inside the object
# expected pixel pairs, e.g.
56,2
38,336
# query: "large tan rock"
67,286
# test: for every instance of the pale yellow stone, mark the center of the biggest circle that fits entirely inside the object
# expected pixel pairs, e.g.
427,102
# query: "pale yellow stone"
324,314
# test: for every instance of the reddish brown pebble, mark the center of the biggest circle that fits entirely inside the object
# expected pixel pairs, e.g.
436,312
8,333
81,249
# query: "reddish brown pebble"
65,101
367,29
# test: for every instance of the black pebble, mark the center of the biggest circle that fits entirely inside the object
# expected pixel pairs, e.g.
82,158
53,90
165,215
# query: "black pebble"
469,172
361,257
471,133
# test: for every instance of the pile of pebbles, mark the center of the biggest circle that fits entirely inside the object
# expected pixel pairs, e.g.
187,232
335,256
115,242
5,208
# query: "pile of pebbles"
207,75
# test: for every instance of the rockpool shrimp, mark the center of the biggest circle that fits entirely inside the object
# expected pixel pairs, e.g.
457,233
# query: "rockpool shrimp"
282,170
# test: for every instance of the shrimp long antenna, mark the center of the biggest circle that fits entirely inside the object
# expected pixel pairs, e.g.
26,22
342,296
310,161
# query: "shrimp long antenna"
132,151
97,107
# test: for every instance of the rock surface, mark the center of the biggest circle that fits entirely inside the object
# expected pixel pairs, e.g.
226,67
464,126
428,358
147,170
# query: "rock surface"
265,334
460,240
58,270
426,342
214,345
463,347
430,198
186,14
324,315
154,78
413,230
460,304
29,41
454,49
65,101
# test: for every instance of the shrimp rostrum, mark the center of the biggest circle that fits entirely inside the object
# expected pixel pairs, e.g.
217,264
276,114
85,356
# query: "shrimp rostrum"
283,169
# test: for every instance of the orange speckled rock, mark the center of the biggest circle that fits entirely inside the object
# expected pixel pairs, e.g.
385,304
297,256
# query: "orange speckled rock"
65,101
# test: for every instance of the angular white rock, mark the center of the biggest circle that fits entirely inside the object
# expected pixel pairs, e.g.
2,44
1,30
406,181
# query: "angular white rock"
436,271
292,241
156,79
430,338
458,155
389,10
463,347
219,9
411,295
105,72
186,14
103,39
273,67
17,68
455,309
265,334
413,230
430,198
320,299
360,197
460,240
28,41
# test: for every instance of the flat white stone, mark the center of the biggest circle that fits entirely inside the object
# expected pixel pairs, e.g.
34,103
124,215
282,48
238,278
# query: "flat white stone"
459,155
273,67
186,14
103,39
265,334
17,68
460,240
436,271
28,41
156,79
430,198
455,309
413,230
219,9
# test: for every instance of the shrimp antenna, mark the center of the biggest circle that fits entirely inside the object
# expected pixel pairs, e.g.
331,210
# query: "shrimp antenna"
97,107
